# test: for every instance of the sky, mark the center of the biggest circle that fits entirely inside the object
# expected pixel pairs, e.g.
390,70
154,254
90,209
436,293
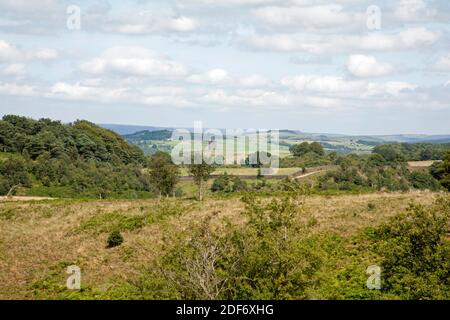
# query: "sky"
343,66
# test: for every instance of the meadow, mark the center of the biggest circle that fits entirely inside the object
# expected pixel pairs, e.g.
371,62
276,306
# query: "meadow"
39,239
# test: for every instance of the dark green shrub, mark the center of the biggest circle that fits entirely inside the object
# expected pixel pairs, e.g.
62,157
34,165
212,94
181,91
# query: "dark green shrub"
227,184
115,239
416,251
222,184
424,180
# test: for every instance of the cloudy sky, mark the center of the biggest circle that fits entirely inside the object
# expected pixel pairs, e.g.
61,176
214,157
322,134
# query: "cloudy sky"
346,66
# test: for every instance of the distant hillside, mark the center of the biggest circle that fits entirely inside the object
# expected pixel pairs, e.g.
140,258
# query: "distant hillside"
153,140
148,135
413,138
128,129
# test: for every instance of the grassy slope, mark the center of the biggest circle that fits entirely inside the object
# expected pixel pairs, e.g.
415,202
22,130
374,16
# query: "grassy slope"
38,240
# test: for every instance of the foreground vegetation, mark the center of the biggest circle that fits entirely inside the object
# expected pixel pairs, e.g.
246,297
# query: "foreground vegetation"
290,247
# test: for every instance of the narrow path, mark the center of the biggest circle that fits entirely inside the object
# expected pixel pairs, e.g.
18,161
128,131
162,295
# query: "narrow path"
18,198
307,174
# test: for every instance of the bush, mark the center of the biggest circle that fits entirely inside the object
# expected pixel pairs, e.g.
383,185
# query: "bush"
13,173
227,184
262,260
239,185
441,171
424,180
416,251
298,150
115,239
222,184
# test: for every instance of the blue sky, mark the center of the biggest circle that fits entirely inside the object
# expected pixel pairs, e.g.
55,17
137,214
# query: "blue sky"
315,66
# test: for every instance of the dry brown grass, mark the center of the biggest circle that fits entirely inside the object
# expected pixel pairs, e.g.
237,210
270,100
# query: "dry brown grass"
421,164
36,236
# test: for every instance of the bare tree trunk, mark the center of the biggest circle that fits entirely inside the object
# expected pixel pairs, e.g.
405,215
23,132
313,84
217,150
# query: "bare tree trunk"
10,192
200,197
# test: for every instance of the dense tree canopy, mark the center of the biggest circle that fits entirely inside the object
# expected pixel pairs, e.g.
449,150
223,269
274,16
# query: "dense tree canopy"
69,160
80,140
303,148
412,151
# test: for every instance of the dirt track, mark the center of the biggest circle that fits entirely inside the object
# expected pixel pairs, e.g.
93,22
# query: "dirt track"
4,198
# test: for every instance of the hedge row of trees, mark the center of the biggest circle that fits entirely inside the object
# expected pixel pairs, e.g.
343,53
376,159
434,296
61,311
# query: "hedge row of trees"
412,151
313,154
376,172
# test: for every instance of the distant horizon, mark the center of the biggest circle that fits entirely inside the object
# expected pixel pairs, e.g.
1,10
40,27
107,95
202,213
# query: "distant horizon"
280,129
100,123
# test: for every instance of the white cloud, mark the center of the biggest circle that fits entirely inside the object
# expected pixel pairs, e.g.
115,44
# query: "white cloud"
245,98
152,21
152,96
232,3
416,37
321,16
367,66
27,6
133,61
213,76
393,88
442,64
8,52
17,89
414,10
323,84
46,54
79,91
254,81
411,38
338,89
15,70
322,102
